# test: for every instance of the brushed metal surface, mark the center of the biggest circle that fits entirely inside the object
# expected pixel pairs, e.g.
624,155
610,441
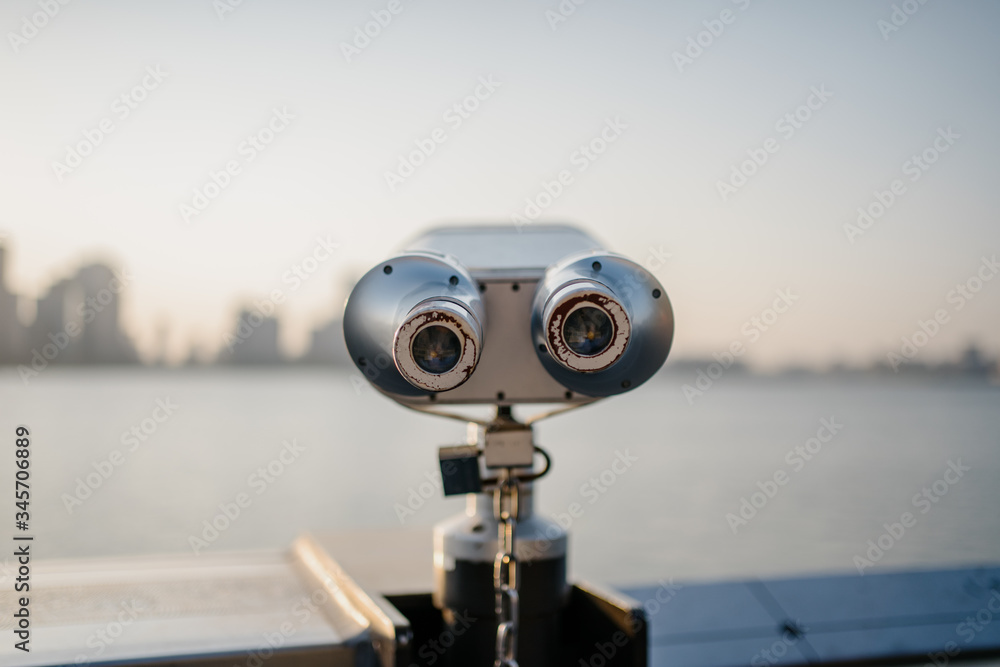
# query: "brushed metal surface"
498,251
192,609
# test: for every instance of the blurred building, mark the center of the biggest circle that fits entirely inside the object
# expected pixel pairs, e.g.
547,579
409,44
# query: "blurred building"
974,362
12,333
50,317
102,340
254,340
78,321
327,346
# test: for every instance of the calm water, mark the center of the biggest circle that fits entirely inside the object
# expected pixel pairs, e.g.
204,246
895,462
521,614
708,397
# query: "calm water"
358,457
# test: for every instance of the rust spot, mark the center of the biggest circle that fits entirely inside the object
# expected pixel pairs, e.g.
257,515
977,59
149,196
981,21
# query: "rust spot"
559,314
433,317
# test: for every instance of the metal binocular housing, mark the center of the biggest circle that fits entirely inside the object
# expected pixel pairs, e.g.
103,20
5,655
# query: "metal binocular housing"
507,315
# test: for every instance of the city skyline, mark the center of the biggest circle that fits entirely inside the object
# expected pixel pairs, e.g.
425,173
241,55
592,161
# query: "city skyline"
75,321
78,321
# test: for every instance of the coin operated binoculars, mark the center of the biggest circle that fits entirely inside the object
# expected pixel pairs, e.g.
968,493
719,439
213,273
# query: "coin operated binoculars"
505,316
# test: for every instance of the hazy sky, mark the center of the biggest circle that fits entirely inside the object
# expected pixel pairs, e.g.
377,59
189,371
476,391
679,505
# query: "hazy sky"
339,122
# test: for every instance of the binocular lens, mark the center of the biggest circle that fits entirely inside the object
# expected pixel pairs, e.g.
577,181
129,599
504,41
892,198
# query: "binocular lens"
437,345
436,349
588,331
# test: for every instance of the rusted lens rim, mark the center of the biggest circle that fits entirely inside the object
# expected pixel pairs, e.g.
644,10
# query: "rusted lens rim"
572,297
452,317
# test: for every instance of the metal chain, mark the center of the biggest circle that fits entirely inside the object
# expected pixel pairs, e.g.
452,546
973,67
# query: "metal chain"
505,500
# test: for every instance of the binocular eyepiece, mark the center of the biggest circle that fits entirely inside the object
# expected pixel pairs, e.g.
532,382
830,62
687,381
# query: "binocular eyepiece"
503,315
437,345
